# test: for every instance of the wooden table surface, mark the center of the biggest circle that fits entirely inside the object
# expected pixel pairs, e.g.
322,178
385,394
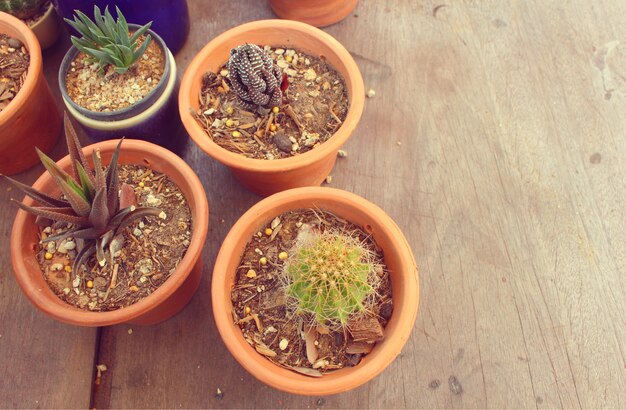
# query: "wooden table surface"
496,140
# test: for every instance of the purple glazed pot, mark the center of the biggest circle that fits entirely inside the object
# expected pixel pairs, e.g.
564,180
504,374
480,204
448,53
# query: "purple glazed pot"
154,118
170,17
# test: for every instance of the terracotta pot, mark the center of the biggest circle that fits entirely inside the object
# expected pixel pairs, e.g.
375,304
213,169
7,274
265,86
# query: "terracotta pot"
399,260
262,176
47,28
170,297
153,118
319,13
32,118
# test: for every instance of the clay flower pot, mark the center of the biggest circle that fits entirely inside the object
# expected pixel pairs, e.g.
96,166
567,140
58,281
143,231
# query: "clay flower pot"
319,13
170,297
32,118
47,28
398,258
263,176
170,18
153,118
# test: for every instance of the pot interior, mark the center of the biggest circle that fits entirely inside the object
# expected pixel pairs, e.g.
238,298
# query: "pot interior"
218,51
384,232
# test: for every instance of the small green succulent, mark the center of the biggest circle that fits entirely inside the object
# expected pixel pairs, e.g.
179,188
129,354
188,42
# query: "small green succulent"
92,203
328,276
108,42
22,9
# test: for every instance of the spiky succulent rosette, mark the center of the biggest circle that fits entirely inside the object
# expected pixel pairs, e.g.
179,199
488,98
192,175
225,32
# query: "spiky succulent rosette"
254,77
108,42
92,204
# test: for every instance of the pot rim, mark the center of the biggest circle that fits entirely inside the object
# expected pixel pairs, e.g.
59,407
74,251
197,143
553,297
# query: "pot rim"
140,117
340,380
43,17
127,112
237,161
35,66
73,315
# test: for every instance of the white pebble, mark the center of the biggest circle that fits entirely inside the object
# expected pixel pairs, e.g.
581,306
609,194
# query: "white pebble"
370,93
69,245
210,111
137,232
280,51
283,344
55,267
163,215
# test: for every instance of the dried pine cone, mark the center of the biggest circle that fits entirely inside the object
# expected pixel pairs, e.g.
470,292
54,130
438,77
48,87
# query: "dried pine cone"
254,77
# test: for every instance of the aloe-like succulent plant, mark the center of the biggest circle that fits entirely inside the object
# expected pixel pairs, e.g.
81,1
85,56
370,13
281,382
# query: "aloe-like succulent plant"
328,276
109,42
23,9
92,203
254,77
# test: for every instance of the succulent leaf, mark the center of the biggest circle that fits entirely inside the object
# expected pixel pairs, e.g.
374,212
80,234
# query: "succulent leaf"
136,214
73,147
254,77
85,182
112,180
36,195
53,213
99,215
83,255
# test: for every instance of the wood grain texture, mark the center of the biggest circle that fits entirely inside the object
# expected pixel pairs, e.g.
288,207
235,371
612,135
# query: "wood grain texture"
497,144
43,364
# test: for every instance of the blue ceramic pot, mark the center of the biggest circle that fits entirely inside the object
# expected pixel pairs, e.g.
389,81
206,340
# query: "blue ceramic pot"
170,17
154,118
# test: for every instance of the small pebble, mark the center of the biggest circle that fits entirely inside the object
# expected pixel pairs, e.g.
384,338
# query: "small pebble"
342,153
282,142
210,111
283,344
70,245
329,179
14,43
370,93
163,215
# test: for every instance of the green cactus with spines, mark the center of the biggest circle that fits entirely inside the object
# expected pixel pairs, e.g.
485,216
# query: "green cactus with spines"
22,9
328,276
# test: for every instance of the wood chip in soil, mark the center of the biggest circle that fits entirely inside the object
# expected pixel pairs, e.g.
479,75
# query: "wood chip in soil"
314,108
268,319
14,61
151,251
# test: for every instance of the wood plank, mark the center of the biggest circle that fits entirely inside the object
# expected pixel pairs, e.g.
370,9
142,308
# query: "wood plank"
495,145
